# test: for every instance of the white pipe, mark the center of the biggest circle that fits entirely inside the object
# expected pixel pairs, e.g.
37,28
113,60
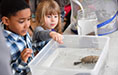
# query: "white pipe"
77,1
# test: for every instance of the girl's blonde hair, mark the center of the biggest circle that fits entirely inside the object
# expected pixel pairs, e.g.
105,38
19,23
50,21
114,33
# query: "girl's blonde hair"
48,7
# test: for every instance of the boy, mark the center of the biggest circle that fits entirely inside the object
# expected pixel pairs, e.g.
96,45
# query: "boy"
16,16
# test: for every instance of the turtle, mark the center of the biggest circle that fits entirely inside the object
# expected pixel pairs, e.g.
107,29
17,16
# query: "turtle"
87,60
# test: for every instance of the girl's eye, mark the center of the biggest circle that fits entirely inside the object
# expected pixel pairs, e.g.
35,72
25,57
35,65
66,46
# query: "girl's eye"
56,16
49,16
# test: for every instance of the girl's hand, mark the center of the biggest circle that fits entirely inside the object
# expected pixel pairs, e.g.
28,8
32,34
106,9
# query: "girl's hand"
25,54
57,37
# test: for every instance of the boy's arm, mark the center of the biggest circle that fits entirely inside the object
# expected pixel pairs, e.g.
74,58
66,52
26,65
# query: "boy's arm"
19,65
16,65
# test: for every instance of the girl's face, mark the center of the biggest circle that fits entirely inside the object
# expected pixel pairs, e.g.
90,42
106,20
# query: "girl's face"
20,22
51,21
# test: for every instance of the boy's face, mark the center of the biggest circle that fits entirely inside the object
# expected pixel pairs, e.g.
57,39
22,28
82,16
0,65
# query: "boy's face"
51,21
20,22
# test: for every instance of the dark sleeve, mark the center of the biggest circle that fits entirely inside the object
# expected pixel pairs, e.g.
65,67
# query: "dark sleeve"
5,68
40,34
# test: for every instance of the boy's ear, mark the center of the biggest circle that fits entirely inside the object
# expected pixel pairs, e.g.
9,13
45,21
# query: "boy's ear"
5,20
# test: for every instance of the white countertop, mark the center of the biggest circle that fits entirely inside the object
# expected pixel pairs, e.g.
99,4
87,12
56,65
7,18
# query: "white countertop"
111,67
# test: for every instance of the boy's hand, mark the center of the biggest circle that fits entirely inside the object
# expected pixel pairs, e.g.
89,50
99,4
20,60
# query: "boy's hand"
57,37
25,54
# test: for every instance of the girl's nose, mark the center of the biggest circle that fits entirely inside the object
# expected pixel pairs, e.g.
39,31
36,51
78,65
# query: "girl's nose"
52,19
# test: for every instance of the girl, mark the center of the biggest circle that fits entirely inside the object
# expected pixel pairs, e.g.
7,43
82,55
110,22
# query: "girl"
48,15
47,19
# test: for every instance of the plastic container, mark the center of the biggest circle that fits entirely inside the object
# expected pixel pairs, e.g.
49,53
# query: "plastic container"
83,18
56,59
86,23
105,17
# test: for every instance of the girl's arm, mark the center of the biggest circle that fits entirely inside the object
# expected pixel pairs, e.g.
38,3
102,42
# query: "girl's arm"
42,35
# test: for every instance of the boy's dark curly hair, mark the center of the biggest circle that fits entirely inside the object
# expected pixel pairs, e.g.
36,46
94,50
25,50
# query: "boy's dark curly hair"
10,7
